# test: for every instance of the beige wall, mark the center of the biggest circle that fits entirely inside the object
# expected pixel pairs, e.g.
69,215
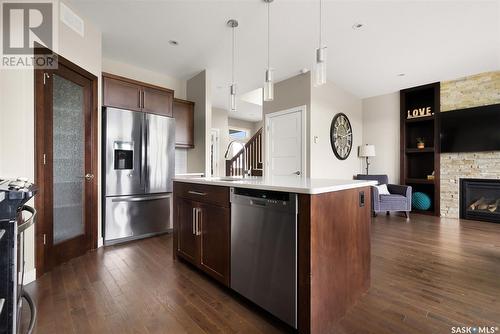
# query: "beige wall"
144,75
290,93
326,101
198,91
381,126
322,104
16,107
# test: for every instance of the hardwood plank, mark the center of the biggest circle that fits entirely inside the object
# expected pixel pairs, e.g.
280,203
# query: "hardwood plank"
427,275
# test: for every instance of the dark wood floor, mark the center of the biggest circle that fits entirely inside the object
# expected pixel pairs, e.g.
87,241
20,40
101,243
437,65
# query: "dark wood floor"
427,275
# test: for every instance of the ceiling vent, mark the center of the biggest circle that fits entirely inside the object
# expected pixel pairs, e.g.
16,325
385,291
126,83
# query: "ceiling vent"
69,18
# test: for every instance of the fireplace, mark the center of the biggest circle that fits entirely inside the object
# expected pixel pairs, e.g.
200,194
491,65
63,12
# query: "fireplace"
480,199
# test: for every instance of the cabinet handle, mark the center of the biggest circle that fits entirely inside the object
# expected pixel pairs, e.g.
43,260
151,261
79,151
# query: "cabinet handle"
194,221
143,99
192,192
198,222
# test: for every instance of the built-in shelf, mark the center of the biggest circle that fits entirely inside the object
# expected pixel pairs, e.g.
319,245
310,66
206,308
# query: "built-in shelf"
420,119
416,163
419,181
420,150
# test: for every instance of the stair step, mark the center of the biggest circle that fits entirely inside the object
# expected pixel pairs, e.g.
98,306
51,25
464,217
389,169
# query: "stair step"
257,172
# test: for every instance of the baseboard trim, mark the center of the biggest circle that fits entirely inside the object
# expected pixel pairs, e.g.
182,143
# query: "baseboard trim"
30,276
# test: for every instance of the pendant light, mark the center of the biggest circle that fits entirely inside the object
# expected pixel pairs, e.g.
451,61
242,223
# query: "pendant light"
268,83
232,88
320,70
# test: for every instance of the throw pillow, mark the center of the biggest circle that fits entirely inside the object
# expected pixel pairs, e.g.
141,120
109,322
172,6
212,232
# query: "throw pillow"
382,189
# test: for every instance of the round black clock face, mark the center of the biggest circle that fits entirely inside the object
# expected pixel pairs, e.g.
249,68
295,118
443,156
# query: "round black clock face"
341,136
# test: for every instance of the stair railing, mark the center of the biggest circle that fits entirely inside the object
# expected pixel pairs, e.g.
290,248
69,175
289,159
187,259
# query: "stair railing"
249,158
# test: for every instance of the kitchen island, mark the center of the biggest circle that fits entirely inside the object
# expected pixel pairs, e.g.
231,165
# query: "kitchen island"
331,249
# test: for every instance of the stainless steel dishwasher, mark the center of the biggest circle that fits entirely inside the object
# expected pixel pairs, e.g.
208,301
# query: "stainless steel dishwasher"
264,250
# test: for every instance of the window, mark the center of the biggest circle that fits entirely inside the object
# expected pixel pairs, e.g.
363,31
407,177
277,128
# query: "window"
239,134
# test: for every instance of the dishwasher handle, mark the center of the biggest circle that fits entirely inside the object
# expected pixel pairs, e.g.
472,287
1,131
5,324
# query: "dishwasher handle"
258,203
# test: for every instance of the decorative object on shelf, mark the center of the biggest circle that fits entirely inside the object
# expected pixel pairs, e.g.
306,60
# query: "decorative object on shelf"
320,70
268,83
419,112
430,177
366,151
420,143
232,88
341,136
421,201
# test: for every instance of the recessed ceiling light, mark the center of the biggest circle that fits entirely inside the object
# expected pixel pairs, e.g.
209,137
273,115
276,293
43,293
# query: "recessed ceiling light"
357,25
401,74
173,43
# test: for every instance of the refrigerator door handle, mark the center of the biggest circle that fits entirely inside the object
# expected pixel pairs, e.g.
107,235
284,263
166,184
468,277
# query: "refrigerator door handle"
143,152
140,199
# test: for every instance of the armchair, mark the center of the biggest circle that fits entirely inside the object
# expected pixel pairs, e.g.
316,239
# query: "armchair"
399,198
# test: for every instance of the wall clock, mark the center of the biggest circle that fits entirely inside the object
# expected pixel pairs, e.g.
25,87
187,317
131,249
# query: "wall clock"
341,136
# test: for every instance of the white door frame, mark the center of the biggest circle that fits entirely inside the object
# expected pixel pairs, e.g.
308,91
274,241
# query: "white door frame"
215,148
303,110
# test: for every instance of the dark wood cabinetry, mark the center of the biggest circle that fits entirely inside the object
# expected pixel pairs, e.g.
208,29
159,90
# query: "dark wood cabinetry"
187,243
417,163
120,92
156,101
202,227
183,112
333,264
215,241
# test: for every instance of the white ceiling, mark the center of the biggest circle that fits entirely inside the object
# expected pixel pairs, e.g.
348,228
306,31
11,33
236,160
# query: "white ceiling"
427,40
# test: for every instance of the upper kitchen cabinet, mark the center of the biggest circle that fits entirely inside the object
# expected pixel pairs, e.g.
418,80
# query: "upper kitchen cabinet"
184,123
120,92
157,101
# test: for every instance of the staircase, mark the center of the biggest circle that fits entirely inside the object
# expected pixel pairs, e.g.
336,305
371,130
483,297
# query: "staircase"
252,161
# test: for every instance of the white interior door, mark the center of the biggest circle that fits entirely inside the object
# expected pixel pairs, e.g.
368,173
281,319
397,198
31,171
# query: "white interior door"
285,145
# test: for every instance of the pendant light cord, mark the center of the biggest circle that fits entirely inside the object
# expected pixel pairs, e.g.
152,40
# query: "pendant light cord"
320,21
268,32
232,63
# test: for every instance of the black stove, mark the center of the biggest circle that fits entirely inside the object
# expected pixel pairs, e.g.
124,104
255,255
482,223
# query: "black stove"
14,194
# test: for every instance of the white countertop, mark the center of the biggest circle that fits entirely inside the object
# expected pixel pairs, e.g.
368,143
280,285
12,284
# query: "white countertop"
285,184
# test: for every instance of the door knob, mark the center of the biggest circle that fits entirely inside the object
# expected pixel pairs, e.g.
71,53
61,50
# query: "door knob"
297,172
89,176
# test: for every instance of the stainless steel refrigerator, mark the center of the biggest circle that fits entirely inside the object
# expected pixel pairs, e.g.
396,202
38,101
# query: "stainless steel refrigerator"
138,167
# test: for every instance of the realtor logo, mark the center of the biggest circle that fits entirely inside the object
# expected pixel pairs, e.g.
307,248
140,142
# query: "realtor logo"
24,26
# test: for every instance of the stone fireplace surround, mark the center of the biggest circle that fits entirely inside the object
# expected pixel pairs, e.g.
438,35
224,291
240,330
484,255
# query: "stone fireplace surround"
454,166
472,91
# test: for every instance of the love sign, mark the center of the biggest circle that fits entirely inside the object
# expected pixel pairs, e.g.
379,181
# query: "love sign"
419,112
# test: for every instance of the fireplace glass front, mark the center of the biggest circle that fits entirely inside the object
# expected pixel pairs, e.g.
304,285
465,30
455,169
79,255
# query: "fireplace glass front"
480,199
